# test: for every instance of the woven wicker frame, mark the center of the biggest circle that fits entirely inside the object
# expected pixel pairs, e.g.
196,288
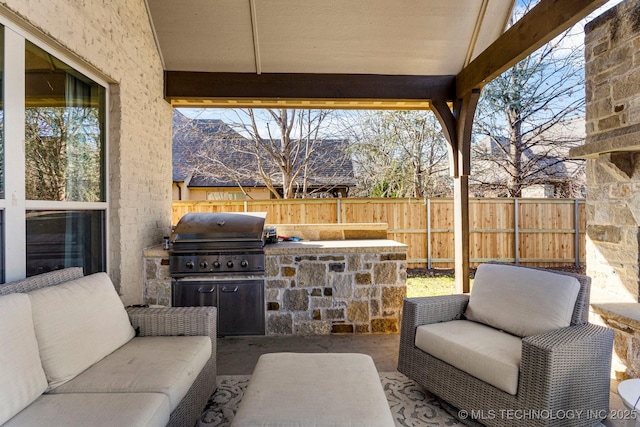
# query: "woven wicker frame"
191,321
561,370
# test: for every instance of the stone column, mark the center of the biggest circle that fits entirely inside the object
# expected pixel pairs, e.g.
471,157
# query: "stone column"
612,53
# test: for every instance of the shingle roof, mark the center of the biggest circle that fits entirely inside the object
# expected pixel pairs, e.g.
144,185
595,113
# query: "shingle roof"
189,134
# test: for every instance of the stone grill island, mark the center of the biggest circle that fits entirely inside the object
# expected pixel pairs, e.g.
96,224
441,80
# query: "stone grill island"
319,287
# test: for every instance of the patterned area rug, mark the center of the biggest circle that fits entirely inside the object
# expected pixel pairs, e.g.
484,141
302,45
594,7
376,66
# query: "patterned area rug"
410,404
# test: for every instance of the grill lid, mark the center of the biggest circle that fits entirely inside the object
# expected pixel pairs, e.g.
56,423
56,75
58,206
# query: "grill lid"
203,228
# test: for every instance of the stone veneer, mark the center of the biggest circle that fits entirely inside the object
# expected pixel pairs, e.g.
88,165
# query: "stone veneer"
612,147
316,287
612,50
335,287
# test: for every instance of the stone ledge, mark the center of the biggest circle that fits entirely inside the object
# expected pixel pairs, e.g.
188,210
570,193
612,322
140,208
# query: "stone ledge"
624,313
334,231
335,246
624,319
614,140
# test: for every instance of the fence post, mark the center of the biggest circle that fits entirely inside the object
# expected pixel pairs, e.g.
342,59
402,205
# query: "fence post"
338,207
516,231
576,220
429,234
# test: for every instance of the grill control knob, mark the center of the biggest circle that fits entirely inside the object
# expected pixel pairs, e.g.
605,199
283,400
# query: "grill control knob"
230,264
203,264
244,263
216,264
189,265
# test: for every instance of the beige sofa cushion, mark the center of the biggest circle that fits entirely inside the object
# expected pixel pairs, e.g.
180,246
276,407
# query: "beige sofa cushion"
166,365
22,378
522,301
78,323
486,353
95,410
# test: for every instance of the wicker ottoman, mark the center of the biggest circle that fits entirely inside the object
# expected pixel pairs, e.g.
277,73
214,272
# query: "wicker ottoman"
318,389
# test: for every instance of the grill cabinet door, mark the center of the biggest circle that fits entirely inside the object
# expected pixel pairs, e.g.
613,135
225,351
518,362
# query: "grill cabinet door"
194,293
241,307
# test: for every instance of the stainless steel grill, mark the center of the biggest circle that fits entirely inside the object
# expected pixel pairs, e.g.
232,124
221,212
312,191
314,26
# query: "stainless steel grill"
218,259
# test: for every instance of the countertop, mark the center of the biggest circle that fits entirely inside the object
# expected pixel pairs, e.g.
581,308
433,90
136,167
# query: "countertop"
312,247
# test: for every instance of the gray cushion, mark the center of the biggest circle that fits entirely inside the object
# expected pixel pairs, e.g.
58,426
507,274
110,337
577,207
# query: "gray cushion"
486,353
522,301
166,365
22,378
78,323
95,410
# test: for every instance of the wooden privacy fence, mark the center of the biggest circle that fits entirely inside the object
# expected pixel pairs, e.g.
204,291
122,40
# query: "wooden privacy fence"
541,232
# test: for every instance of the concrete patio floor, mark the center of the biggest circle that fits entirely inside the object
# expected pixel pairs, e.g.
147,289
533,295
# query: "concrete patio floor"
239,355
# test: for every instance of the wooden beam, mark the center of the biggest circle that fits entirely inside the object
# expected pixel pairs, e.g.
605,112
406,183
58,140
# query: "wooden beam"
461,233
202,85
448,123
546,20
456,126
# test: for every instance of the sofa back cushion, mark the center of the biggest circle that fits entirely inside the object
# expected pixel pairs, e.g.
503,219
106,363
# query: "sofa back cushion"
521,301
22,378
78,323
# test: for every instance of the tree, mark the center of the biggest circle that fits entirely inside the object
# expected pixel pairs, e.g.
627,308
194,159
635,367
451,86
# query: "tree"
288,151
399,154
63,154
526,119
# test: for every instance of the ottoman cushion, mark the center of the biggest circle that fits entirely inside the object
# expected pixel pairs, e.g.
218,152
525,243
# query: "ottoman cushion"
326,389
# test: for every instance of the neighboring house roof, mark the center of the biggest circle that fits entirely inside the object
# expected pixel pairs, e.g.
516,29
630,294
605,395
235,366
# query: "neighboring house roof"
548,151
188,137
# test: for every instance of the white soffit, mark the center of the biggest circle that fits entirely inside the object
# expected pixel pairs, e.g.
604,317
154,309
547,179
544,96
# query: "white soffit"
204,35
390,37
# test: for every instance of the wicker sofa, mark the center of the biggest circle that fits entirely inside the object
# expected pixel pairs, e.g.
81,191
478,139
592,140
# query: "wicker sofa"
517,351
72,355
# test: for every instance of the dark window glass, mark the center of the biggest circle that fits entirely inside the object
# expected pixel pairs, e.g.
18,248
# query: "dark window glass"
60,239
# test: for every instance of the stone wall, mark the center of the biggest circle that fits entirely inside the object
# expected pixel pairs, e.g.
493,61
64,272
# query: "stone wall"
612,50
311,294
114,39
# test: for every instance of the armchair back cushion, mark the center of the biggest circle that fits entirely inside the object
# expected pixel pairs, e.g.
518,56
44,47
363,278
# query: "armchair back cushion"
77,324
22,379
521,301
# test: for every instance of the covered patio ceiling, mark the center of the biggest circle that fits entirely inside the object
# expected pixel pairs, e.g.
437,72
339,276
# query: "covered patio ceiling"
384,54
344,54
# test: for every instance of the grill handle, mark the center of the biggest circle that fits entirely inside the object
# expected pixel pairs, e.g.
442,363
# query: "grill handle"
224,289
206,289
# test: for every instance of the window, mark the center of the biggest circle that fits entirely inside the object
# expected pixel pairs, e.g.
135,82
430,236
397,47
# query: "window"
55,172
225,195
64,118
59,239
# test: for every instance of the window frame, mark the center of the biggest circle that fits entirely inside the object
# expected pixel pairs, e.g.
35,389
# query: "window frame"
15,205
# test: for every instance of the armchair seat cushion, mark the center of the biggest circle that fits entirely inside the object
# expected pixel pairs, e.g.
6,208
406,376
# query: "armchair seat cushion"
486,353
175,364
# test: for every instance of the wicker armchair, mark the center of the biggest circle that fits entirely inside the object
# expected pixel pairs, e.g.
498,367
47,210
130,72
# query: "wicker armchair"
563,370
166,321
